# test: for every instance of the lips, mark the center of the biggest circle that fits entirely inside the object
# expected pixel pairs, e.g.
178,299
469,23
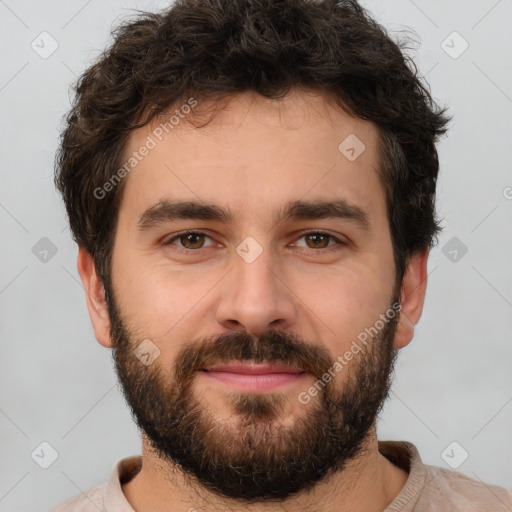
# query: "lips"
252,376
252,369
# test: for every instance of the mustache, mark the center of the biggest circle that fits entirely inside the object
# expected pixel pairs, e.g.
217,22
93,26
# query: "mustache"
271,346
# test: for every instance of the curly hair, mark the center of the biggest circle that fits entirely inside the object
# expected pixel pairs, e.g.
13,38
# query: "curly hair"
207,49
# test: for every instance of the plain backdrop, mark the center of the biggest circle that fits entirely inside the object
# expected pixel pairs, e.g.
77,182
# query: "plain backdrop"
453,383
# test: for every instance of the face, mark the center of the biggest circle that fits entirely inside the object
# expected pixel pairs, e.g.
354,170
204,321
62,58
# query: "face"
251,258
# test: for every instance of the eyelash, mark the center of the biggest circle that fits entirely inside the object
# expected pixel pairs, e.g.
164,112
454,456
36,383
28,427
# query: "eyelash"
182,250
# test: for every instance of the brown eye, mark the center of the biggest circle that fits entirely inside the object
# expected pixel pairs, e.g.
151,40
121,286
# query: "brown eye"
317,240
192,240
189,240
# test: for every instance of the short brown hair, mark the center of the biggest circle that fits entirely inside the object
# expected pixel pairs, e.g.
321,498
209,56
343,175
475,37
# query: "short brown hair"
207,49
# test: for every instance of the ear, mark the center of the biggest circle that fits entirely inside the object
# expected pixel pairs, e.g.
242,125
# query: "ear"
95,297
413,291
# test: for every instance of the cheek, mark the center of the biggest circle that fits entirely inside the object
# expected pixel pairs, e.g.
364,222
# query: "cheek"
162,303
347,302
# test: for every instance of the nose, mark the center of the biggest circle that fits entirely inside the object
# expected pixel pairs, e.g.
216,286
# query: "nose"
255,297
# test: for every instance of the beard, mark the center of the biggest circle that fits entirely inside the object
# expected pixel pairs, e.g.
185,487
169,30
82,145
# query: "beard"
253,456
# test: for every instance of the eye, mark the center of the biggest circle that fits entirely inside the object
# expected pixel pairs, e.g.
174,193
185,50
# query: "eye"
189,240
319,240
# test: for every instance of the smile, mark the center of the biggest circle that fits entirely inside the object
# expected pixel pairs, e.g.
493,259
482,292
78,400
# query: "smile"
254,377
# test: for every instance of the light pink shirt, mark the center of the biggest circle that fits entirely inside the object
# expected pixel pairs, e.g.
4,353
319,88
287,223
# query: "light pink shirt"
428,488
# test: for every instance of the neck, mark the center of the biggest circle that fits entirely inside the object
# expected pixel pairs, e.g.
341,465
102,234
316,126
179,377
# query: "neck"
368,483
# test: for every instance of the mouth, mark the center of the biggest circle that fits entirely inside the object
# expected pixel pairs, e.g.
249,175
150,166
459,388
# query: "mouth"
254,377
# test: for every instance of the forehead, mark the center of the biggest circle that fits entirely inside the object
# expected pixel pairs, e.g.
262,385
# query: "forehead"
255,152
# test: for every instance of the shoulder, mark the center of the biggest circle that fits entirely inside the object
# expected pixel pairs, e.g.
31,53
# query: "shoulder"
464,492
435,489
90,500
108,495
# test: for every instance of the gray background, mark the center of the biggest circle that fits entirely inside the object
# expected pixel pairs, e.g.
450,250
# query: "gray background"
453,383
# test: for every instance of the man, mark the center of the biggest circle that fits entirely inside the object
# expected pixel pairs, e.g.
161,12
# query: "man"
251,185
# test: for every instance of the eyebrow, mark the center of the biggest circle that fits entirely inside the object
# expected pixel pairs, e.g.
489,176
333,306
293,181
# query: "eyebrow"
167,211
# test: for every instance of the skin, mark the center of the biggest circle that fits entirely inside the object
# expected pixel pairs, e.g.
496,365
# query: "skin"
255,156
